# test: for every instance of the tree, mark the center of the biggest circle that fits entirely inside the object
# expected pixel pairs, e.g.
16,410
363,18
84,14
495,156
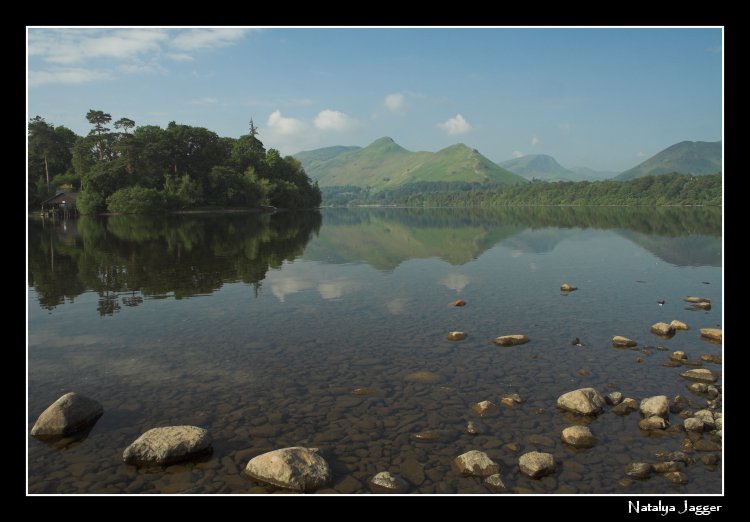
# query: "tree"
41,143
124,123
99,119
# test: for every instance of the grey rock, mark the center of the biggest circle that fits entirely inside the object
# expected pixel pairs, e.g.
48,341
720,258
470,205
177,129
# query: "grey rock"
567,287
707,417
663,329
691,299
652,423
666,467
639,470
536,464
626,406
623,342
693,424
69,414
655,406
711,333
296,468
168,445
698,387
386,482
511,340
472,428
578,437
585,401
614,398
700,375
677,355
456,336
484,408
495,483
679,325
476,464
676,477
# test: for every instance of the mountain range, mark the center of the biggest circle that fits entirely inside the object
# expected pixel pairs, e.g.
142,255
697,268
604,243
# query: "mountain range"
686,157
384,164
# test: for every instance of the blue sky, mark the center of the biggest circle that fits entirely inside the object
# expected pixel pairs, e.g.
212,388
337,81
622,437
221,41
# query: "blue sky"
602,98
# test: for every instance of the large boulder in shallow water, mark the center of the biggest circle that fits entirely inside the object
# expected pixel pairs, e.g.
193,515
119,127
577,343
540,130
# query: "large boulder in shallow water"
536,464
69,414
586,401
700,375
476,464
662,329
511,340
657,406
619,341
711,333
168,445
578,437
297,468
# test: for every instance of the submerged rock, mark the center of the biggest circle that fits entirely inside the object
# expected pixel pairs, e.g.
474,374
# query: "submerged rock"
423,376
711,333
536,464
700,306
578,437
69,414
676,477
168,445
662,329
458,302
567,287
427,436
585,401
456,336
484,408
652,423
472,428
510,400
679,325
476,464
677,356
638,470
626,406
623,342
385,482
511,340
364,392
716,359
296,468
700,375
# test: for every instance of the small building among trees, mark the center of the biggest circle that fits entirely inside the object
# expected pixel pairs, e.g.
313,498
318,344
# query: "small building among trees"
62,203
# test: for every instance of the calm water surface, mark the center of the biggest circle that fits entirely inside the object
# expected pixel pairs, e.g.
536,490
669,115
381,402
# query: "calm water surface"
258,327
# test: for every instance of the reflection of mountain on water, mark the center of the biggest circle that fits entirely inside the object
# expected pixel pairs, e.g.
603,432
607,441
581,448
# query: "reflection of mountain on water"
385,237
691,250
126,257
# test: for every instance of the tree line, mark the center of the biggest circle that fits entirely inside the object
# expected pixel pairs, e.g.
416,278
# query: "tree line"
665,189
148,169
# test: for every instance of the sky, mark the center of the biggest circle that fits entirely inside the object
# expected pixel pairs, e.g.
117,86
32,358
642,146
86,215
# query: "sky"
603,98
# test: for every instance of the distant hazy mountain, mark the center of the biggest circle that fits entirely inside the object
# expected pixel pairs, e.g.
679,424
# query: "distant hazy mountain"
587,174
539,166
385,164
686,157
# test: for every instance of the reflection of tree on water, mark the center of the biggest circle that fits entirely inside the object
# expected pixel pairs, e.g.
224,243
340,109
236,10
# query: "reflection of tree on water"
127,258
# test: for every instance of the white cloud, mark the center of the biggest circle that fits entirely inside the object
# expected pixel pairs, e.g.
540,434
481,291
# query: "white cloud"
122,51
72,46
193,39
285,286
280,125
336,289
335,121
395,102
535,140
517,154
66,76
179,57
455,125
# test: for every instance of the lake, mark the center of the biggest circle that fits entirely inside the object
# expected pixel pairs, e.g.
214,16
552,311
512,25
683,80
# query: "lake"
259,328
